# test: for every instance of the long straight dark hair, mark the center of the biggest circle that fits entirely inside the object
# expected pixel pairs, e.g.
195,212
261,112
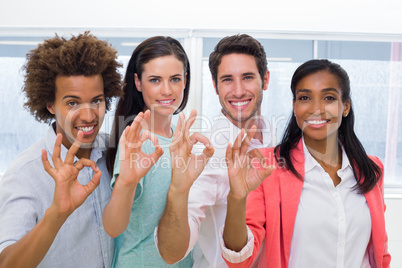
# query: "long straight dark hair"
366,172
132,102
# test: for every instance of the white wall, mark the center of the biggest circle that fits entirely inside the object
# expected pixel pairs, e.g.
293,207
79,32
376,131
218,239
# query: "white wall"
348,16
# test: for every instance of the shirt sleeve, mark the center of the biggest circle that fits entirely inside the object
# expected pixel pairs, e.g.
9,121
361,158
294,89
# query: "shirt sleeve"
20,208
233,256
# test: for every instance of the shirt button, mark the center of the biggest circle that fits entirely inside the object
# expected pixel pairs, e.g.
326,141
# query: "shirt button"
335,194
341,218
341,244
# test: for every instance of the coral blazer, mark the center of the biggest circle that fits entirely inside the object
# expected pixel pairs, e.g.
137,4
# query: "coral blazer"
272,208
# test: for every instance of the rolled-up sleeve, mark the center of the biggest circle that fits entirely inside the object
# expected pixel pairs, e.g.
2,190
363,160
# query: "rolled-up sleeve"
243,254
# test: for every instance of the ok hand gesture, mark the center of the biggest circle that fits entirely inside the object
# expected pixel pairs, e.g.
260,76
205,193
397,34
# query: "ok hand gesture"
69,194
246,170
134,163
186,167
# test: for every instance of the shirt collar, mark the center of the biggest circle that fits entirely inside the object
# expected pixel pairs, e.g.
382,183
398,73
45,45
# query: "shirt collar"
233,131
99,146
310,162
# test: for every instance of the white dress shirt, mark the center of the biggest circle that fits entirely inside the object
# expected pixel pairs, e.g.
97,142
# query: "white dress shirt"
208,194
332,226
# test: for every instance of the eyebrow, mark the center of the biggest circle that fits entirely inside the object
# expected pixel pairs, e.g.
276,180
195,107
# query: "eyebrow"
330,89
78,98
158,76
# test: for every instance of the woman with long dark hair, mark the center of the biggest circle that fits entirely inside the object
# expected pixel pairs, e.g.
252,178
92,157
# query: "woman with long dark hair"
156,87
323,206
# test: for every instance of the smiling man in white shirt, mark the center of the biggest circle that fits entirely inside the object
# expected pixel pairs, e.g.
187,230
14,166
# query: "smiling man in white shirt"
238,66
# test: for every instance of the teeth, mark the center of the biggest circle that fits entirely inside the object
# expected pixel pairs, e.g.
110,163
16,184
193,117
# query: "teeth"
166,102
86,129
317,122
239,103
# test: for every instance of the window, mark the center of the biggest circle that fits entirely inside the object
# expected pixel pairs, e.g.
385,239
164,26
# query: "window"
374,67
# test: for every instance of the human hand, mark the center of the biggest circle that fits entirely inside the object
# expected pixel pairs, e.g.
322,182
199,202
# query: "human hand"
246,170
69,194
134,163
186,167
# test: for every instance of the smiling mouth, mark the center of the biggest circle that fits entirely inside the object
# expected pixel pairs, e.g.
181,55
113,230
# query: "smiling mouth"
166,102
87,130
240,103
317,122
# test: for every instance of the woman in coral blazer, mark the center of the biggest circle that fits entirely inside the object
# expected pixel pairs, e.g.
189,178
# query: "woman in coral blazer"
323,206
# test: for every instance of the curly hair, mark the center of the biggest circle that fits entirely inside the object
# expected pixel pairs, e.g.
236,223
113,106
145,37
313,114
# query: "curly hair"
80,55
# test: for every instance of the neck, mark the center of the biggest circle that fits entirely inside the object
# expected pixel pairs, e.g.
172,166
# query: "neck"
159,125
255,120
84,153
327,151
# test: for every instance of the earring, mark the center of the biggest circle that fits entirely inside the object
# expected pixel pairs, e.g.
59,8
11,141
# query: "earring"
345,115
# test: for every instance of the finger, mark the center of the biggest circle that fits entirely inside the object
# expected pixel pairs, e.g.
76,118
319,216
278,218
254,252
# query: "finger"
258,160
178,133
197,137
229,157
237,144
247,140
135,128
208,150
93,183
46,164
156,154
147,135
57,162
74,148
190,121
83,162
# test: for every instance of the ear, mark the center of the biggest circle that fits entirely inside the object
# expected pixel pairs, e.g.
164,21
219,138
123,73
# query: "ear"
293,105
185,80
137,82
266,80
216,89
50,108
346,109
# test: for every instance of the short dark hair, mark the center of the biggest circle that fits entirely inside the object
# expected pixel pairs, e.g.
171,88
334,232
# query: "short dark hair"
80,55
242,44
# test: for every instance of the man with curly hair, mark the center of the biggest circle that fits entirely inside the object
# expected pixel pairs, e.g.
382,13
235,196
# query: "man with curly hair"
53,194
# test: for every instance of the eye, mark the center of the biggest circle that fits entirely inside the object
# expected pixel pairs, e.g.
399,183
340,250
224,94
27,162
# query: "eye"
154,80
330,98
226,79
96,101
248,77
72,104
303,98
176,79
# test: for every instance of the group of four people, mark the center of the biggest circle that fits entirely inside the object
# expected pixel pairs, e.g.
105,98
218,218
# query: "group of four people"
146,197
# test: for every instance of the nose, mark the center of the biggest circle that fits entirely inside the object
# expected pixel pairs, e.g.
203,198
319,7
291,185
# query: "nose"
166,89
238,89
317,107
87,114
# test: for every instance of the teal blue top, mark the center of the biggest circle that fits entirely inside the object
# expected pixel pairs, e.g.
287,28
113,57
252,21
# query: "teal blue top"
136,247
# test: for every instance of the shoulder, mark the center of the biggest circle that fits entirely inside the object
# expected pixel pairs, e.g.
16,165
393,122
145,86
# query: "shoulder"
31,156
377,161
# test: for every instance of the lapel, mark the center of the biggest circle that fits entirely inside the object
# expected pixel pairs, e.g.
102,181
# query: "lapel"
290,190
376,206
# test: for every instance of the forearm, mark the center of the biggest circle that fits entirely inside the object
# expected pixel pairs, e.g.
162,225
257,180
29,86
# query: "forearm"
173,229
32,248
116,214
235,230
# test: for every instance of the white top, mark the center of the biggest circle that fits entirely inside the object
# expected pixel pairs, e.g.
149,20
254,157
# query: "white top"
207,197
332,226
